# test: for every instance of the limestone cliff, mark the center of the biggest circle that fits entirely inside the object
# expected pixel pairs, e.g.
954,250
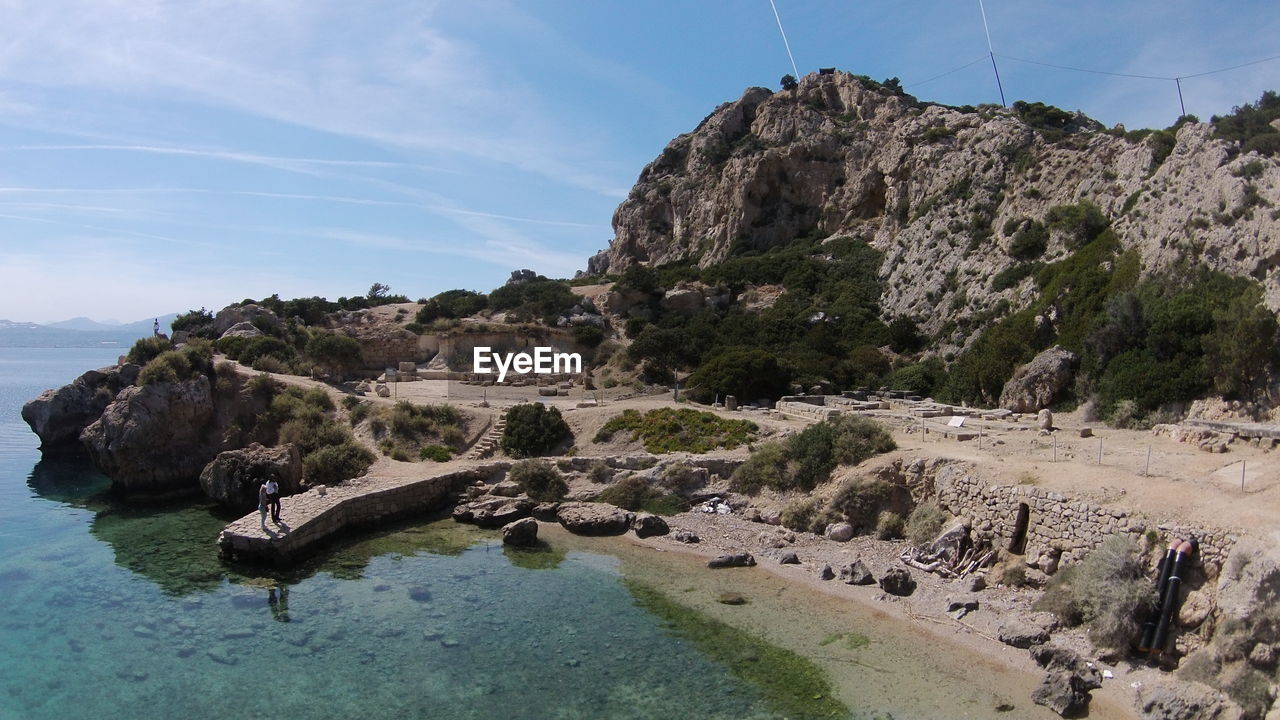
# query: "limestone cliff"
933,188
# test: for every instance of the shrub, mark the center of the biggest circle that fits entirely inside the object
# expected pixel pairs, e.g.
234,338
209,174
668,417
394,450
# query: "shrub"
588,335
1107,591
335,463
925,522
533,429
669,430
859,500
1013,275
634,493
1029,242
600,472
451,305
438,453
539,479
1014,576
889,526
745,374
194,358
808,515
1081,222
766,467
263,385
338,354
147,349
197,322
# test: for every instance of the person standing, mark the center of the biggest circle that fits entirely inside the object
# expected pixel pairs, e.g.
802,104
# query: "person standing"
273,499
263,502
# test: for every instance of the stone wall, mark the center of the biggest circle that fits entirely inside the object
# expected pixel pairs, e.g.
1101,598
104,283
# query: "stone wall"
807,407
1059,527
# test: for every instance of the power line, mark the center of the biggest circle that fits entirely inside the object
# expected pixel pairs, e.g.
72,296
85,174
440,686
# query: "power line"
1086,70
786,44
949,72
1233,67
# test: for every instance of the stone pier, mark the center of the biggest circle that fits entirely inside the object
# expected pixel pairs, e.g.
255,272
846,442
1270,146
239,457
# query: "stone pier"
319,513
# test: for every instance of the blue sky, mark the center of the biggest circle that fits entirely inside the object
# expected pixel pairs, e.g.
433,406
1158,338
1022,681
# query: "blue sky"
160,156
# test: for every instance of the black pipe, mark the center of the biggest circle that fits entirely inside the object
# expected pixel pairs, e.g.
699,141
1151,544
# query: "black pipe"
1162,580
1170,604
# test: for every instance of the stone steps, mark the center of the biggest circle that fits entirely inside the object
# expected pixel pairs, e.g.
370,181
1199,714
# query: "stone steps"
491,441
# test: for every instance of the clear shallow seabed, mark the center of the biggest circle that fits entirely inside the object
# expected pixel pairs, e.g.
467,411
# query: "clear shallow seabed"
116,611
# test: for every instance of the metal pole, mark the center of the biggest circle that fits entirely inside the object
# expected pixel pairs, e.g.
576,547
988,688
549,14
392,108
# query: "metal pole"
1178,82
1147,469
1055,448
1242,462
979,437
1099,451
991,52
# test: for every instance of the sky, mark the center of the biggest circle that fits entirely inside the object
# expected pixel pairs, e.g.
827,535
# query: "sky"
160,156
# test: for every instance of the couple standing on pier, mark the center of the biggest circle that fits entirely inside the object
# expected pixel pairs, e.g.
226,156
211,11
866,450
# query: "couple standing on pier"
269,499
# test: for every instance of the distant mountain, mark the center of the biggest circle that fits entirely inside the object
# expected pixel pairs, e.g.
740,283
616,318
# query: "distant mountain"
78,332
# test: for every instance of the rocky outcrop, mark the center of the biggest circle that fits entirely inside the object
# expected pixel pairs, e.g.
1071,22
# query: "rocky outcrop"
233,477
594,518
58,416
1068,680
493,512
1038,383
156,437
933,188
243,329
1022,634
233,315
1185,700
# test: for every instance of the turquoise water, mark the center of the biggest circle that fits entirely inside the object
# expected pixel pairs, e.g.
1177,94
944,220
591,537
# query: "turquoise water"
115,611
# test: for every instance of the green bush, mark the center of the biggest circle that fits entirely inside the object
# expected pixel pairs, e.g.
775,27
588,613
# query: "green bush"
438,453
533,429
333,464
1250,124
919,379
1029,241
337,354
1081,222
860,502
808,515
451,305
669,430
925,522
1013,275
746,374
197,322
634,493
539,479
147,349
1107,591
192,359
600,472
766,467
807,459
588,335
889,526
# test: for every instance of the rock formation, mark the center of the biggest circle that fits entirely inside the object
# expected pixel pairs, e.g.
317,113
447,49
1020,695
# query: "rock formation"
157,437
59,416
932,188
1038,383
233,477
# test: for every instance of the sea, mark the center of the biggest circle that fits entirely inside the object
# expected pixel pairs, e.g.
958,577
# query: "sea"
116,610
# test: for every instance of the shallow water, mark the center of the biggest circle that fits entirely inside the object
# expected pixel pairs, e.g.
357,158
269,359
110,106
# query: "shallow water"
112,609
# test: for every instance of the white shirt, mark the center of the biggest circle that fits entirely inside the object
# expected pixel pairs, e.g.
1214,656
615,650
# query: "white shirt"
273,487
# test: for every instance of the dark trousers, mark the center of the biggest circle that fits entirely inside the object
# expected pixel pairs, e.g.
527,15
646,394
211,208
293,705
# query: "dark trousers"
273,504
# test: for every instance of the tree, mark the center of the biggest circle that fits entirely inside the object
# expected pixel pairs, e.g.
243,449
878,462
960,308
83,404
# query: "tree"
1241,349
789,82
533,429
338,354
378,291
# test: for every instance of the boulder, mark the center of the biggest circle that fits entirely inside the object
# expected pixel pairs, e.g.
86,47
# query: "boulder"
588,518
648,525
242,329
897,581
1038,383
493,512
232,478
1195,609
1062,692
682,300
826,573
685,536
1182,700
856,573
58,417
506,488
840,532
521,533
156,437
229,317
732,560
789,558
1250,581
949,546
1022,634
547,512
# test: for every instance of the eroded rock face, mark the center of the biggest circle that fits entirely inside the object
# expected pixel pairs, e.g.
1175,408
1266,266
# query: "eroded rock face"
1038,383
242,329
231,316
233,477
493,512
59,416
1184,700
155,438
835,157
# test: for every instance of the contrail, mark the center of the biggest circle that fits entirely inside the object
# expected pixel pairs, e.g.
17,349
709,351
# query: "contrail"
778,17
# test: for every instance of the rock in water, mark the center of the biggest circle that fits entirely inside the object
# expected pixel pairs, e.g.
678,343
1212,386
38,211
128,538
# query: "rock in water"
155,437
1038,383
232,478
59,416
648,525
521,533
732,560
594,519
897,581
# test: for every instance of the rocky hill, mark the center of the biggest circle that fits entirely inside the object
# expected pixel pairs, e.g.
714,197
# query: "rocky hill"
943,193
